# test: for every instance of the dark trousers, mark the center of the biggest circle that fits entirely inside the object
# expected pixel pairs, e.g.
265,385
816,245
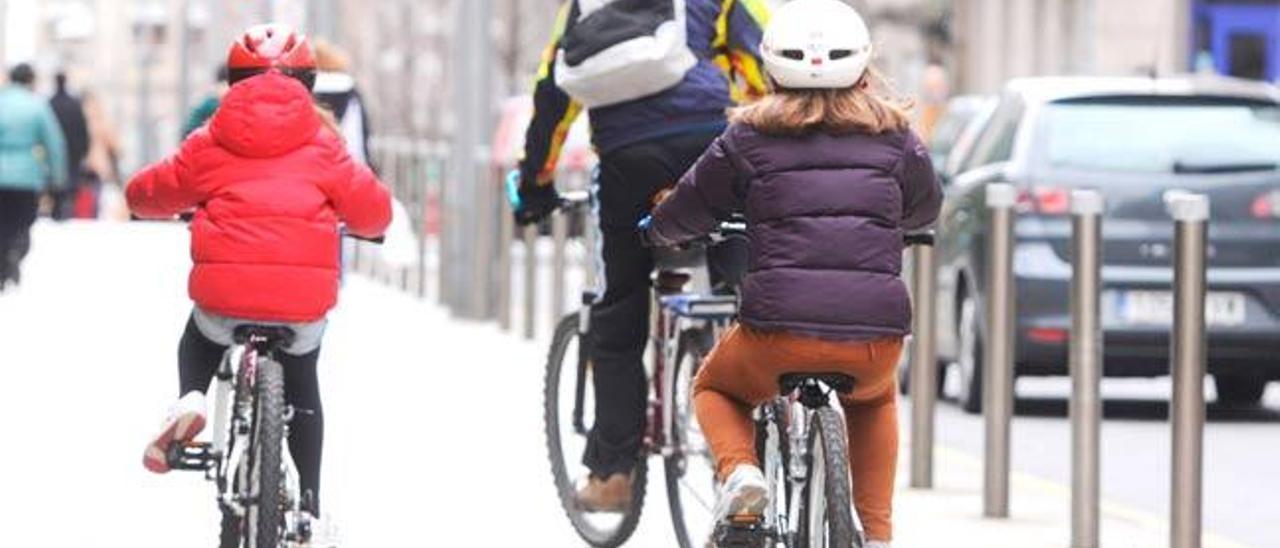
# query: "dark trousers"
626,184
17,213
198,359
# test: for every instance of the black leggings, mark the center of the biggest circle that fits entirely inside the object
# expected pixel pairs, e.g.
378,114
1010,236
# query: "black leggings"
198,359
17,213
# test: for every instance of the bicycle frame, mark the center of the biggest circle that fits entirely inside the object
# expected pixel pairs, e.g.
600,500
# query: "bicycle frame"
786,477
233,418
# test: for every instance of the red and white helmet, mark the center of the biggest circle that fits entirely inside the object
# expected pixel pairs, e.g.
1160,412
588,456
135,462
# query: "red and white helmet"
816,44
273,46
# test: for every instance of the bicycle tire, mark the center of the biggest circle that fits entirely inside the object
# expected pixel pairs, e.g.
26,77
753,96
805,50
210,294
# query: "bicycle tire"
264,517
695,344
566,331
229,531
828,467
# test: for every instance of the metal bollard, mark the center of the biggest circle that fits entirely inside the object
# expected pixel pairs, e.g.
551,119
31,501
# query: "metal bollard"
1190,213
420,212
997,369
924,364
506,238
530,280
1085,365
559,238
444,232
591,250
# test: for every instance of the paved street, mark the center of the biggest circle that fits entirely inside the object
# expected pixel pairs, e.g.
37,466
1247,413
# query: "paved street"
1240,475
434,435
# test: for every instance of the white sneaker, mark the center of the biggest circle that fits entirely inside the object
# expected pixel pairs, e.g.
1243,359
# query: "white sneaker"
877,544
185,421
744,493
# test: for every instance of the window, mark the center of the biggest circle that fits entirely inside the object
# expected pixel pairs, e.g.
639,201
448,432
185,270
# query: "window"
996,143
1163,134
1248,58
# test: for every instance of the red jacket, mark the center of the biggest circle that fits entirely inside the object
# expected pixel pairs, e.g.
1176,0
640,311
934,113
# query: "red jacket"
270,185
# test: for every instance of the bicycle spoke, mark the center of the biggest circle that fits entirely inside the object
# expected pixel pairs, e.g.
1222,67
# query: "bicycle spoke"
702,501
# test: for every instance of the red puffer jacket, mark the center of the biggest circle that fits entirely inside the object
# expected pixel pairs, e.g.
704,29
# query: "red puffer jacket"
270,185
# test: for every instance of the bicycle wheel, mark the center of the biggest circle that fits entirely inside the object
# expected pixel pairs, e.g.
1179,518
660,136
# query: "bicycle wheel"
690,469
567,371
229,533
826,505
264,516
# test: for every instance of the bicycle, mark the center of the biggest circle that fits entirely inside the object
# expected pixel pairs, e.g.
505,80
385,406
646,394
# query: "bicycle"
685,328
258,488
257,485
802,447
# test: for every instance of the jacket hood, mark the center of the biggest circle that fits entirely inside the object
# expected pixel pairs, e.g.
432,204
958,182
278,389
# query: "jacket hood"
265,116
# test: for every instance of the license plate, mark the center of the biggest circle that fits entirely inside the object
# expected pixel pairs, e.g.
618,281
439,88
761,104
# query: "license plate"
1156,308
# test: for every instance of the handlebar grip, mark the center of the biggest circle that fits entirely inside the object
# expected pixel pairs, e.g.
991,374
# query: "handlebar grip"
918,238
379,240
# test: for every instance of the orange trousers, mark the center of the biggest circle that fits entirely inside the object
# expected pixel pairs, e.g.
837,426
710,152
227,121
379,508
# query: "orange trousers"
743,371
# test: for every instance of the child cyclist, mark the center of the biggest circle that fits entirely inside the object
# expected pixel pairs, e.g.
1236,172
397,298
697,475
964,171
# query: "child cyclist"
829,176
270,183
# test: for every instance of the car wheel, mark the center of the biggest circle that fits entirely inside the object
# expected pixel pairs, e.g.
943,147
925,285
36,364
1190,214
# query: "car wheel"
1239,390
969,355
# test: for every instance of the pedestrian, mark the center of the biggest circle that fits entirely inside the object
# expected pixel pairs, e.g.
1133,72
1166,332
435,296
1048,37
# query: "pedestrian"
207,106
32,160
650,121
75,129
269,181
829,175
336,90
102,165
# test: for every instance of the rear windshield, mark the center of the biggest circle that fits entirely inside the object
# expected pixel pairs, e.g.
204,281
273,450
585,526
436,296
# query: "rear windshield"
1156,134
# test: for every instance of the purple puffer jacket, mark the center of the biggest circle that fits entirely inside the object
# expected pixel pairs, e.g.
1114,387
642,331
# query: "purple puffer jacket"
826,216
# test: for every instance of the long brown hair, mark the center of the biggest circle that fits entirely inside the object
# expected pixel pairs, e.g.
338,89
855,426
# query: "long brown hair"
868,107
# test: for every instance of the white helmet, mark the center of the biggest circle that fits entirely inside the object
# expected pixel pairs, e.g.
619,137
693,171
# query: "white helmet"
816,44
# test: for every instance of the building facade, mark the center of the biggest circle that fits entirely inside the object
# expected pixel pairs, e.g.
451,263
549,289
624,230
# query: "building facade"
1239,37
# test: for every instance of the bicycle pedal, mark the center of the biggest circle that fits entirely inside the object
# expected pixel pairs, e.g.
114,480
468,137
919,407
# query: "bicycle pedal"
193,456
741,532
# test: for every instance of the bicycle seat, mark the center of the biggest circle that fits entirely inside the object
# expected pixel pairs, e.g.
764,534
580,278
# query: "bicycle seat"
841,383
270,336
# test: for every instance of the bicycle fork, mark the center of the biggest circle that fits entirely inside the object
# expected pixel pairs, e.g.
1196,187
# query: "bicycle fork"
798,464
223,380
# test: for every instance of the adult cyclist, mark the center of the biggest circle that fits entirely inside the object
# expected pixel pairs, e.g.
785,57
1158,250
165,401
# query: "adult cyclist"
656,81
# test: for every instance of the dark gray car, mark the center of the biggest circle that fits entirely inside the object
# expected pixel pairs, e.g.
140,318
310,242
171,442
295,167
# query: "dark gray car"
1133,139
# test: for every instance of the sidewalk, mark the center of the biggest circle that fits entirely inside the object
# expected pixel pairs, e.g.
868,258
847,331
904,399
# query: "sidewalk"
1040,512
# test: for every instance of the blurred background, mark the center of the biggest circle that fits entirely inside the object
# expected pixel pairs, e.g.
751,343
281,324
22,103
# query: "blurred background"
148,61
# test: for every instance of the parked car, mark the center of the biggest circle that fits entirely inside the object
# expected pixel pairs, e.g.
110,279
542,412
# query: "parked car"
1133,139
951,135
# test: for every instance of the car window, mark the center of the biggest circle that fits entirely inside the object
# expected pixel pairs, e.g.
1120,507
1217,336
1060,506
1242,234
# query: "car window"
961,151
1162,135
996,142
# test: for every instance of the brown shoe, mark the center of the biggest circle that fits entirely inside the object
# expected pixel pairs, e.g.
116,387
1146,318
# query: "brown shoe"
607,495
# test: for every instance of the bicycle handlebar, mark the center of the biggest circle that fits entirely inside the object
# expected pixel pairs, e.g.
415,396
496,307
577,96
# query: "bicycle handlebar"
918,238
379,240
